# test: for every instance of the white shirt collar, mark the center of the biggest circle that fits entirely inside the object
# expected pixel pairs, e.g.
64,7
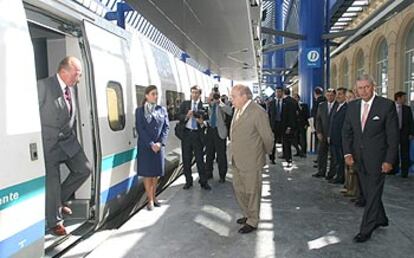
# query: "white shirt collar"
245,106
61,83
196,102
369,102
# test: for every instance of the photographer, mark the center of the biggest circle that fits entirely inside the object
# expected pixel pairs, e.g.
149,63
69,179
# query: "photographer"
192,116
217,132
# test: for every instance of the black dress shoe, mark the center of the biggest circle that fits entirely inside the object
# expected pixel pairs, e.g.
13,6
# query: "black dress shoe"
157,204
206,186
360,203
187,186
246,229
273,161
315,161
318,175
241,221
281,157
329,178
289,165
385,224
315,166
297,155
222,180
404,175
360,238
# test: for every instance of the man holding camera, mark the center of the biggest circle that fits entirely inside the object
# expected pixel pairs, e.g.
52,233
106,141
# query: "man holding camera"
217,134
192,116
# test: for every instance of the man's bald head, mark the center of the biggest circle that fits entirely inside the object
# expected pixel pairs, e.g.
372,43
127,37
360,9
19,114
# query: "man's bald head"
70,70
240,95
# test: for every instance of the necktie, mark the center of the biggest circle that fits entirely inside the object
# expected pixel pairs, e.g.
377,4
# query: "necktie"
278,111
213,119
68,99
193,120
364,116
399,112
329,108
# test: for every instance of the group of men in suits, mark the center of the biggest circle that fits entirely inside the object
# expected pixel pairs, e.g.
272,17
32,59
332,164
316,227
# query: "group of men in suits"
289,121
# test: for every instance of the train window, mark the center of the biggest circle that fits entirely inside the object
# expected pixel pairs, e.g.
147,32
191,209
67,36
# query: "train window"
140,94
115,100
174,100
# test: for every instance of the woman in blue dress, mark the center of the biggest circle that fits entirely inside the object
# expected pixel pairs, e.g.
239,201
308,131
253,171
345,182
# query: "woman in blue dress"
152,127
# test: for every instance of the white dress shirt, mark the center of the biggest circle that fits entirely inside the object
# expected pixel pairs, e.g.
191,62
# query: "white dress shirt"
63,87
369,106
189,122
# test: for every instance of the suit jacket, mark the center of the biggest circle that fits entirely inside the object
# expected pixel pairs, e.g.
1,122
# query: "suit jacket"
185,107
289,113
407,128
251,138
58,126
271,110
315,105
303,115
221,111
337,122
379,141
323,118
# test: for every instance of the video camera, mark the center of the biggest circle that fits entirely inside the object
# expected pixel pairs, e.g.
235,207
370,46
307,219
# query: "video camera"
199,114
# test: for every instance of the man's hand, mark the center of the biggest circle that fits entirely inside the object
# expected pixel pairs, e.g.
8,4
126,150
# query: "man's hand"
386,167
189,114
156,147
200,120
320,136
349,160
288,130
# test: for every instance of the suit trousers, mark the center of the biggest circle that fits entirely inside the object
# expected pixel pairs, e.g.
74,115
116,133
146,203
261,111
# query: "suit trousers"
277,133
192,145
287,141
372,183
215,144
57,193
323,149
337,167
404,156
248,190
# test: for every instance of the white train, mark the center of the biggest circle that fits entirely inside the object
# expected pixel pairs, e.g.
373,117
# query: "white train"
34,36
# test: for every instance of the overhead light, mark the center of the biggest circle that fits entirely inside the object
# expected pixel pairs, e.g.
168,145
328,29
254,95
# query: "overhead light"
342,19
354,9
349,14
360,3
341,23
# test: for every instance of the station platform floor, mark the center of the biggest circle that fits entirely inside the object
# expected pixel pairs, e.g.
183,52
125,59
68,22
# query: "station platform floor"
301,216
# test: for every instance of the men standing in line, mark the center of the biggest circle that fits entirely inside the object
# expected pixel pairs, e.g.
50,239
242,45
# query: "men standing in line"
318,99
274,111
192,116
217,136
289,125
370,139
322,122
335,136
406,125
303,124
58,118
251,140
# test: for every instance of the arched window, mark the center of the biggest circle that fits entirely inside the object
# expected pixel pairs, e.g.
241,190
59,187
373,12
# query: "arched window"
334,82
359,63
345,73
409,62
382,68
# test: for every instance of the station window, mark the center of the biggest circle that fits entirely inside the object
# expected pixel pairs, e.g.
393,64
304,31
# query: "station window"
382,68
115,100
140,94
360,63
345,72
173,100
334,82
409,63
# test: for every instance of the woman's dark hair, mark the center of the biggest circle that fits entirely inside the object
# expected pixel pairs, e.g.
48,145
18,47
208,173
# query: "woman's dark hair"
147,91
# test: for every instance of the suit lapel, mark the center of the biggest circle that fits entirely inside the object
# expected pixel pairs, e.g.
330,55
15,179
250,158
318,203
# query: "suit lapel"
372,112
358,112
242,117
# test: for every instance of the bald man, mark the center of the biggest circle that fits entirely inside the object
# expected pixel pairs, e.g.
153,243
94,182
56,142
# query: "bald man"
58,117
251,140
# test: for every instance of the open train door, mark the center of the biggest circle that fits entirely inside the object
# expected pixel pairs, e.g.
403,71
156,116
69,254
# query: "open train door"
22,187
109,56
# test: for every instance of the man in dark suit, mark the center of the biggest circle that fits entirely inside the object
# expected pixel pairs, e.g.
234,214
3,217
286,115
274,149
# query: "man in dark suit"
275,116
335,137
318,99
405,123
370,139
303,124
322,122
289,125
192,116
58,118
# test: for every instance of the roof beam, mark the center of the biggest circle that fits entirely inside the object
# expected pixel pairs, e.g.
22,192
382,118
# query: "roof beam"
271,48
282,33
338,34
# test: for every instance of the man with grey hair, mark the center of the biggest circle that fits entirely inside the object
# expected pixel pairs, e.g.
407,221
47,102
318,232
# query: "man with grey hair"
370,138
251,140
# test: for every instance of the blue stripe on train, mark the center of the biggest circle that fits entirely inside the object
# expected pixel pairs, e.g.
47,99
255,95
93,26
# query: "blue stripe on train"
15,194
22,239
118,189
118,159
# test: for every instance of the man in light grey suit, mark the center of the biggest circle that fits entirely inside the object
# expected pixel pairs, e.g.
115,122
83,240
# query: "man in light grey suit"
217,135
58,118
251,140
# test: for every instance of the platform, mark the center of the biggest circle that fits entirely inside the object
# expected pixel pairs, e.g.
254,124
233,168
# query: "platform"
301,216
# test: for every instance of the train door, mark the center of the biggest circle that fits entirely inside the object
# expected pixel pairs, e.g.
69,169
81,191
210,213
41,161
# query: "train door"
22,188
110,61
53,38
